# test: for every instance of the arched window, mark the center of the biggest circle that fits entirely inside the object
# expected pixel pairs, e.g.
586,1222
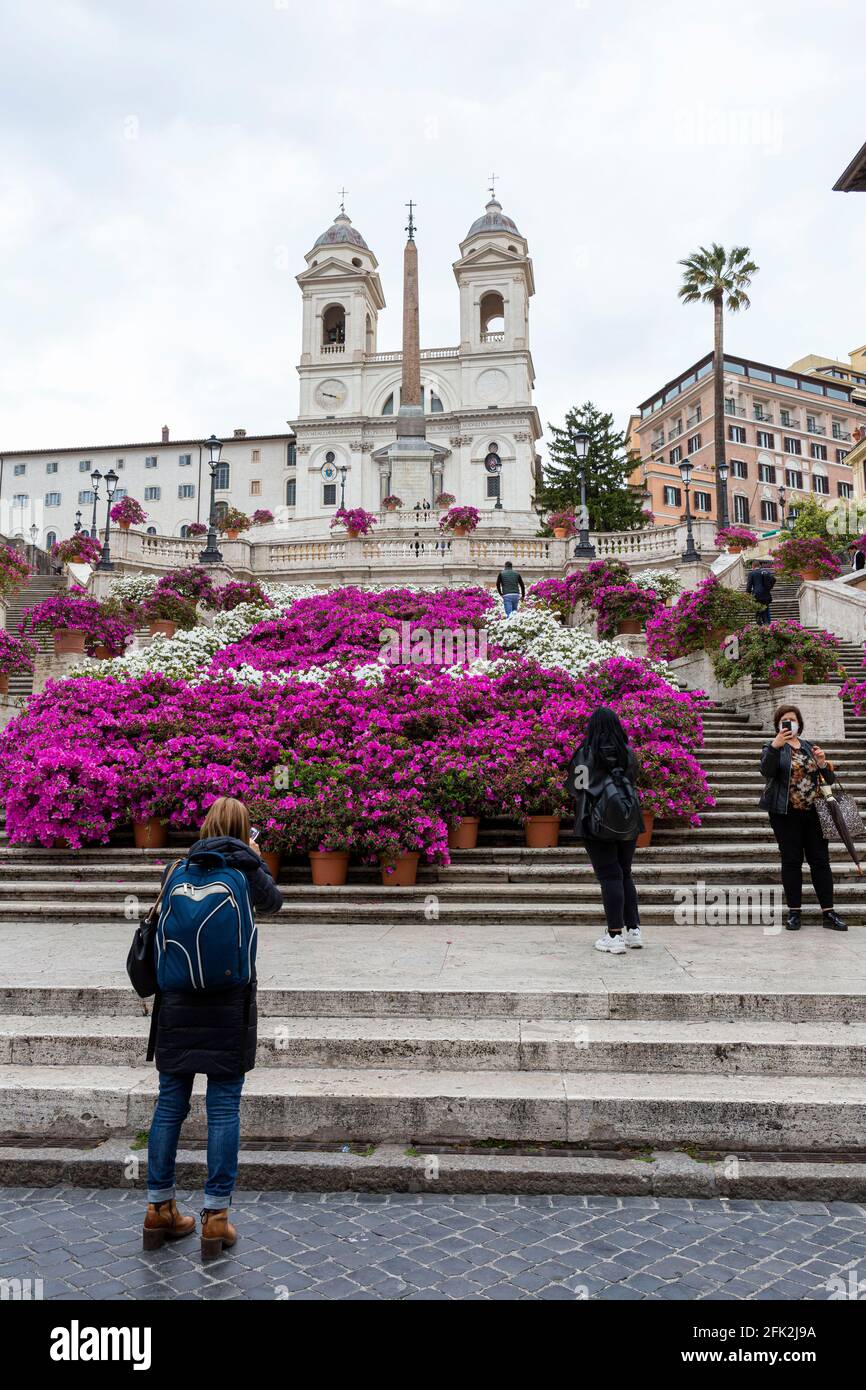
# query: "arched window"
334,326
291,492
436,406
220,510
222,477
492,317
50,539
184,532
151,531
388,407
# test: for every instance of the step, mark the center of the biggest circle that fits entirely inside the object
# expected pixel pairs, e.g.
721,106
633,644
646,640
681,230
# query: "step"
487,1044
731,1112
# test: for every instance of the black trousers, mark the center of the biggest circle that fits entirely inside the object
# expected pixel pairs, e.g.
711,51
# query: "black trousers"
765,617
611,860
799,835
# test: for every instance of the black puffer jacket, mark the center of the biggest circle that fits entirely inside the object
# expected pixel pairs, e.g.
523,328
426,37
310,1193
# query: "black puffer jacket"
776,767
214,1033
596,774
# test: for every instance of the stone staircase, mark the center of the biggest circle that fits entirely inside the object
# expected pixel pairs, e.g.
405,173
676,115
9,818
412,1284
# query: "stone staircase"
38,588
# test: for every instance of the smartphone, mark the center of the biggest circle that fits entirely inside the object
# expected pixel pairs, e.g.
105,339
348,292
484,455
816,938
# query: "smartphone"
254,833
786,724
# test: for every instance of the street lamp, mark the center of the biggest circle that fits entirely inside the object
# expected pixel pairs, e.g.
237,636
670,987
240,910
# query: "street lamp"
211,555
583,550
343,475
723,472
111,481
783,497
34,532
95,479
690,554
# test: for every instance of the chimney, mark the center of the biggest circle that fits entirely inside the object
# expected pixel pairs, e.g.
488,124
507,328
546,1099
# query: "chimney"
240,434
165,434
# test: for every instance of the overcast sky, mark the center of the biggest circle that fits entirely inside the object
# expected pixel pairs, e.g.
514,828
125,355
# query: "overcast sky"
164,166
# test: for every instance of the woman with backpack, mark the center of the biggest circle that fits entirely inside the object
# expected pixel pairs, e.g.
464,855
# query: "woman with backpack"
205,1027
608,819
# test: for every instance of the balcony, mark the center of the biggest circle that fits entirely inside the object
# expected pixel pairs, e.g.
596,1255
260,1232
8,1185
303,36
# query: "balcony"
658,443
329,349
737,410
843,435
694,420
493,337
790,423
763,417
676,432
815,428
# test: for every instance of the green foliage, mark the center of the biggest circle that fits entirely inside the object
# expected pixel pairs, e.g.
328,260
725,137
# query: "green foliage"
716,276
611,504
813,522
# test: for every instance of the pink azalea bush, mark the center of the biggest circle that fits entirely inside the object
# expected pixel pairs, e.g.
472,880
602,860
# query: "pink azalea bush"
191,582
80,549
563,521
460,519
129,512
696,616
196,528
797,554
736,535
239,591
263,517
16,653
14,569
72,610
616,603
354,519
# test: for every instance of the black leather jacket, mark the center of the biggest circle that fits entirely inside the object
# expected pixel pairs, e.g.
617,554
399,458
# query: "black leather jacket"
595,777
776,767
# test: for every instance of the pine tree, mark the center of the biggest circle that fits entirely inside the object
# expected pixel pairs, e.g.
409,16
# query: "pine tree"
611,504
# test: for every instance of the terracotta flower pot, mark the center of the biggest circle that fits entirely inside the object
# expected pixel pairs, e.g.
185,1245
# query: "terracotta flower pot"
150,834
464,835
645,840
69,641
735,550
541,832
777,683
162,625
353,535
4,682
459,531
560,533
330,870
629,626
272,857
403,871
810,574
124,525
101,652
391,507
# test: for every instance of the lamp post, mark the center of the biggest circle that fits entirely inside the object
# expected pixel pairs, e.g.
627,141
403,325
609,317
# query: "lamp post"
95,479
34,532
723,471
343,474
111,481
583,550
211,555
783,497
690,554
77,527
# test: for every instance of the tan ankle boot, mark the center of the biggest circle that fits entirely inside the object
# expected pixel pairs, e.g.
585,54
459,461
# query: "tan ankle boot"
164,1222
217,1233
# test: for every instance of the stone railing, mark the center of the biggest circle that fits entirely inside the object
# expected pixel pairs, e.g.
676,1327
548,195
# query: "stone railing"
647,543
837,605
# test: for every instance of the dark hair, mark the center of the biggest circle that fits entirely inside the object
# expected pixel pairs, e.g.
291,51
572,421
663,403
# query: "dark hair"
782,711
508,565
606,741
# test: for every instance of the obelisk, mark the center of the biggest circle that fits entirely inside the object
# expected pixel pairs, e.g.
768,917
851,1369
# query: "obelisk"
410,421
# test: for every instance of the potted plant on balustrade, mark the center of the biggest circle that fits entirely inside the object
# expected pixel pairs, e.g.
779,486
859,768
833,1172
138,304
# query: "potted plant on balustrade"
700,620
563,525
17,655
806,559
460,521
781,653
71,618
445,500
263,517
127,512
355,520
392,503
533,793
80,549
624,608
735,539
165,611
232,521
196,530
14,570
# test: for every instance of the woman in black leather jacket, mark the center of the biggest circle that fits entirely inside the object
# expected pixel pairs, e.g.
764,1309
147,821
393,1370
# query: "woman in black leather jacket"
794,769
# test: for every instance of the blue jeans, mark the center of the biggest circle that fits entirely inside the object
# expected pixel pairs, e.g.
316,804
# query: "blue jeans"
512,603
223,1138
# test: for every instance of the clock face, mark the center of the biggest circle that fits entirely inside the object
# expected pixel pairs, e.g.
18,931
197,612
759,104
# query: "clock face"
331,394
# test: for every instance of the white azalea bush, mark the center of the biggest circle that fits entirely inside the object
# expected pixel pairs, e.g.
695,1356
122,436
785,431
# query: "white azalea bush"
664,582
536,633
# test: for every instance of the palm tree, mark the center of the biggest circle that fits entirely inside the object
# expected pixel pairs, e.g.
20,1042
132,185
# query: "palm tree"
720,278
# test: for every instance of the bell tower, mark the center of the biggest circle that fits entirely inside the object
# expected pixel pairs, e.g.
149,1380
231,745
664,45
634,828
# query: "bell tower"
496,281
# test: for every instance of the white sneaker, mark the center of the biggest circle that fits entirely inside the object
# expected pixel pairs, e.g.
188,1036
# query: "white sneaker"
612,944
632,938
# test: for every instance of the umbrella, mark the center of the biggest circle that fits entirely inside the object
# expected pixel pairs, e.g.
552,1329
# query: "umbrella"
837,815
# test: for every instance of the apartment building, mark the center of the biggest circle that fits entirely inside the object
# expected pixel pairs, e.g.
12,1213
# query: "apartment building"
782,426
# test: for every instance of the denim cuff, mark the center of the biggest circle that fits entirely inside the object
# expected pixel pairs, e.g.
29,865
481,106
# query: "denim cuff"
216,1203
161,1194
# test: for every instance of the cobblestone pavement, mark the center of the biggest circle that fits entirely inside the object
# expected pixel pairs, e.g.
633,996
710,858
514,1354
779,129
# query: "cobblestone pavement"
87,1244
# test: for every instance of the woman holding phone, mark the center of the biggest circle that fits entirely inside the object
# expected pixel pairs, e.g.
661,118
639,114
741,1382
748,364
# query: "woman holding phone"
794,769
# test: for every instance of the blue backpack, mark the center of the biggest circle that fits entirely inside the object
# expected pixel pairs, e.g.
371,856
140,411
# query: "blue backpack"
206,934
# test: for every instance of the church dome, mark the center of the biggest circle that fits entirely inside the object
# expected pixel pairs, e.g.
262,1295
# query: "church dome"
494,220
342,233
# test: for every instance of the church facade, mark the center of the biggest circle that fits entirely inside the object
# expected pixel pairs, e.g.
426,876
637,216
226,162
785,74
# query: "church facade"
476,395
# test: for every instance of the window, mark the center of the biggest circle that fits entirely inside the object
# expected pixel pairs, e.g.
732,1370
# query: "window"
766,473
152,494
793,446
85,496
291,492
766,440
150,461
821,484
186,489
52,499
184,460
730,406
257,456
21,499
255,487
838,432
50,539
222,475
119,464
693,444
19,470
84,466
841,455
741,507
119,492
291,454
702,501
812,424
769,511
492,317
818,451
436,406
151,531
51,467
493,488
330,457
676,454
794,479
673,497
329,495
845,489
785,418
739,468
388,407
737,434
334,326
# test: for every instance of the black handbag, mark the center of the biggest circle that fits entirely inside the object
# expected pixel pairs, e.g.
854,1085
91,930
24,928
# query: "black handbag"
141,961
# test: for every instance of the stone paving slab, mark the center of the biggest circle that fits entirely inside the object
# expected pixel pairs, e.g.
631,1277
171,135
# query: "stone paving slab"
340,1247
